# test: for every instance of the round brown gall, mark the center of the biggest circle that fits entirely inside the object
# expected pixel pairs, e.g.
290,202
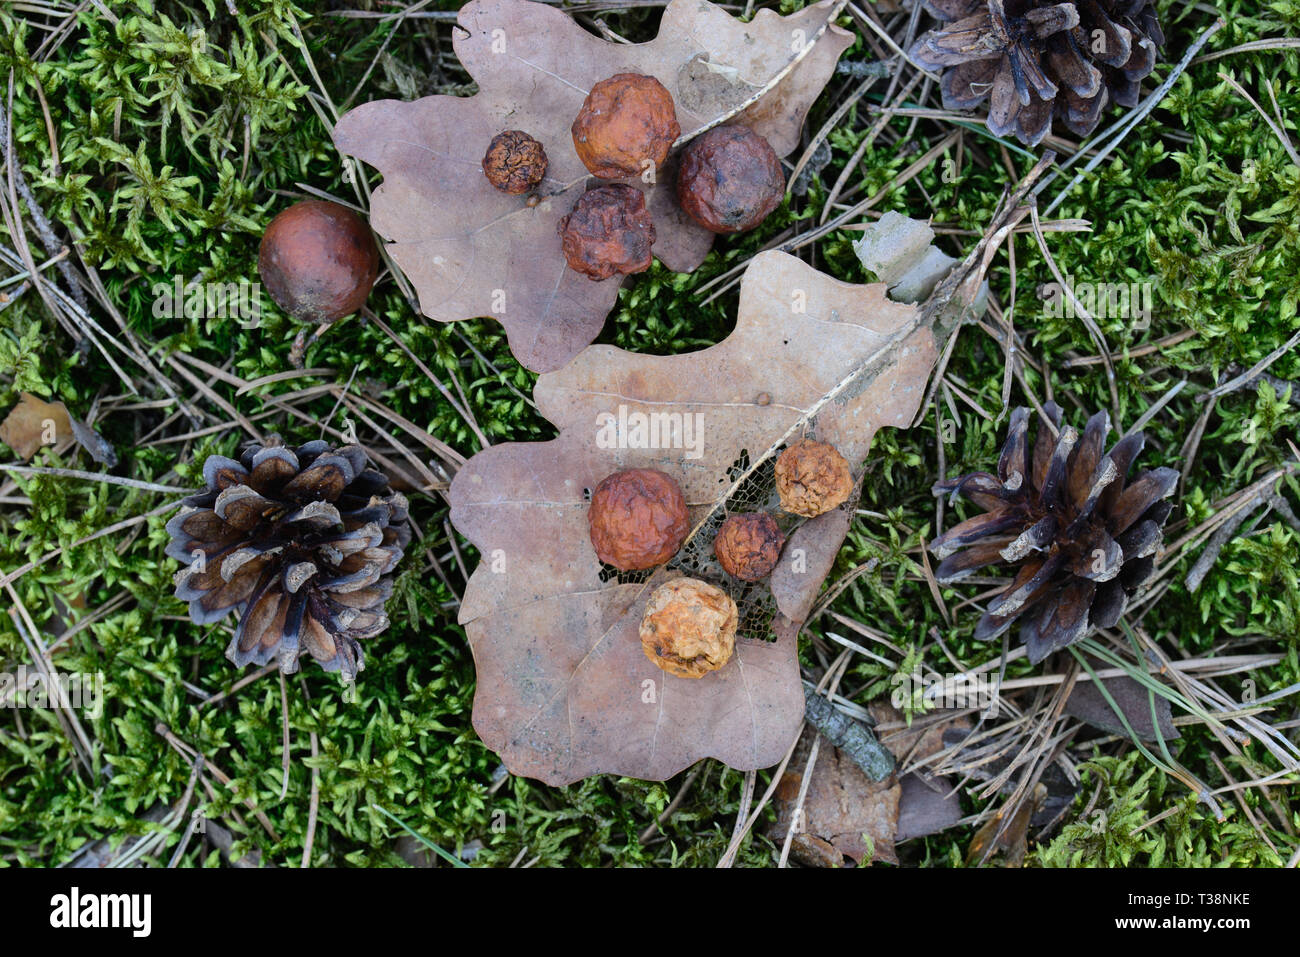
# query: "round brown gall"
514,162
626,125
608,232
318,261
748,545
812,478
689,627
638,519
730,179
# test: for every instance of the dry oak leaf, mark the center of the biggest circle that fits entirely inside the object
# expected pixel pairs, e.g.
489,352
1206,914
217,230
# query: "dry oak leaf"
844,813
34,423
843,808
471,250
564,690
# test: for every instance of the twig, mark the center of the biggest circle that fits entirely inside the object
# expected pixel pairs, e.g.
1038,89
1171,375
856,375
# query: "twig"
1220,538
773,81
95,477
1254,372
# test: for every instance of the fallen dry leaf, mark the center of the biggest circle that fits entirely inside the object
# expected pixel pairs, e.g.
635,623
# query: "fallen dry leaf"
1087,703
564,690
471,250
844,814
847,815
926,807
33,423
1008,837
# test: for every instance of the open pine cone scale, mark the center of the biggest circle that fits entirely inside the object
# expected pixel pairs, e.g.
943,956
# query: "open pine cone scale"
1033,60
301,542
1082,536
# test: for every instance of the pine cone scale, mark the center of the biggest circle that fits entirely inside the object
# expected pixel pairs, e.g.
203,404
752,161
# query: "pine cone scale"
1077,75
1033,578
974,529
1081,537
968,39
1052,627
1033,539
1141,496
220,473
969,560
300,543
1040,61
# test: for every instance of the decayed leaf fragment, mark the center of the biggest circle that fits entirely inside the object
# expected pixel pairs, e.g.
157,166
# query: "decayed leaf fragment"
564,688
34,423
847,815
471,250
844,813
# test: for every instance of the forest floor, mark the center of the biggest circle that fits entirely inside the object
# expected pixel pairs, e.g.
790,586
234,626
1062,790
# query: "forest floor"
155,139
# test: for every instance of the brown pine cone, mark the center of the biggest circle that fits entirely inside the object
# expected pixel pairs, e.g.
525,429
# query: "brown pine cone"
300,543
1033,60
1082,538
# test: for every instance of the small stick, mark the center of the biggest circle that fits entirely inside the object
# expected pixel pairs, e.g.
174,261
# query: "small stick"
95,477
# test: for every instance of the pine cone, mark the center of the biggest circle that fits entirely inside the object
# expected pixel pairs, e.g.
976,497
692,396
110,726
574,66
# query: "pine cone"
301,543
1084,539
1032,59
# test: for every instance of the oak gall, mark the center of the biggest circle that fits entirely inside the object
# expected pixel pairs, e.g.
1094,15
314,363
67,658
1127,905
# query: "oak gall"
514,162
748,545
812,478
689,627
638,519
730,179
626,125
318,261
608,232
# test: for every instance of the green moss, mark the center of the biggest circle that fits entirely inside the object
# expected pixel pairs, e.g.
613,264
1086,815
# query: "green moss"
181,130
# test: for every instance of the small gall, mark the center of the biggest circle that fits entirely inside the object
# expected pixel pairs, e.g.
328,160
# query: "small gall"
514,162
748,545
689,627
637,519
730,179
318,261
609,232
812,478
626,122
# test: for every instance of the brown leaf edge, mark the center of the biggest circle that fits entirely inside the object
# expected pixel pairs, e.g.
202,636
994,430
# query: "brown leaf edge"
472,251
1088,704
34,423
843,806
564,690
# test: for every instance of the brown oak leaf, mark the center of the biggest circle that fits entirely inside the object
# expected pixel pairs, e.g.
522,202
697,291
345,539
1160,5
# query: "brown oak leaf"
845,814
34,423
471,250
564,690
